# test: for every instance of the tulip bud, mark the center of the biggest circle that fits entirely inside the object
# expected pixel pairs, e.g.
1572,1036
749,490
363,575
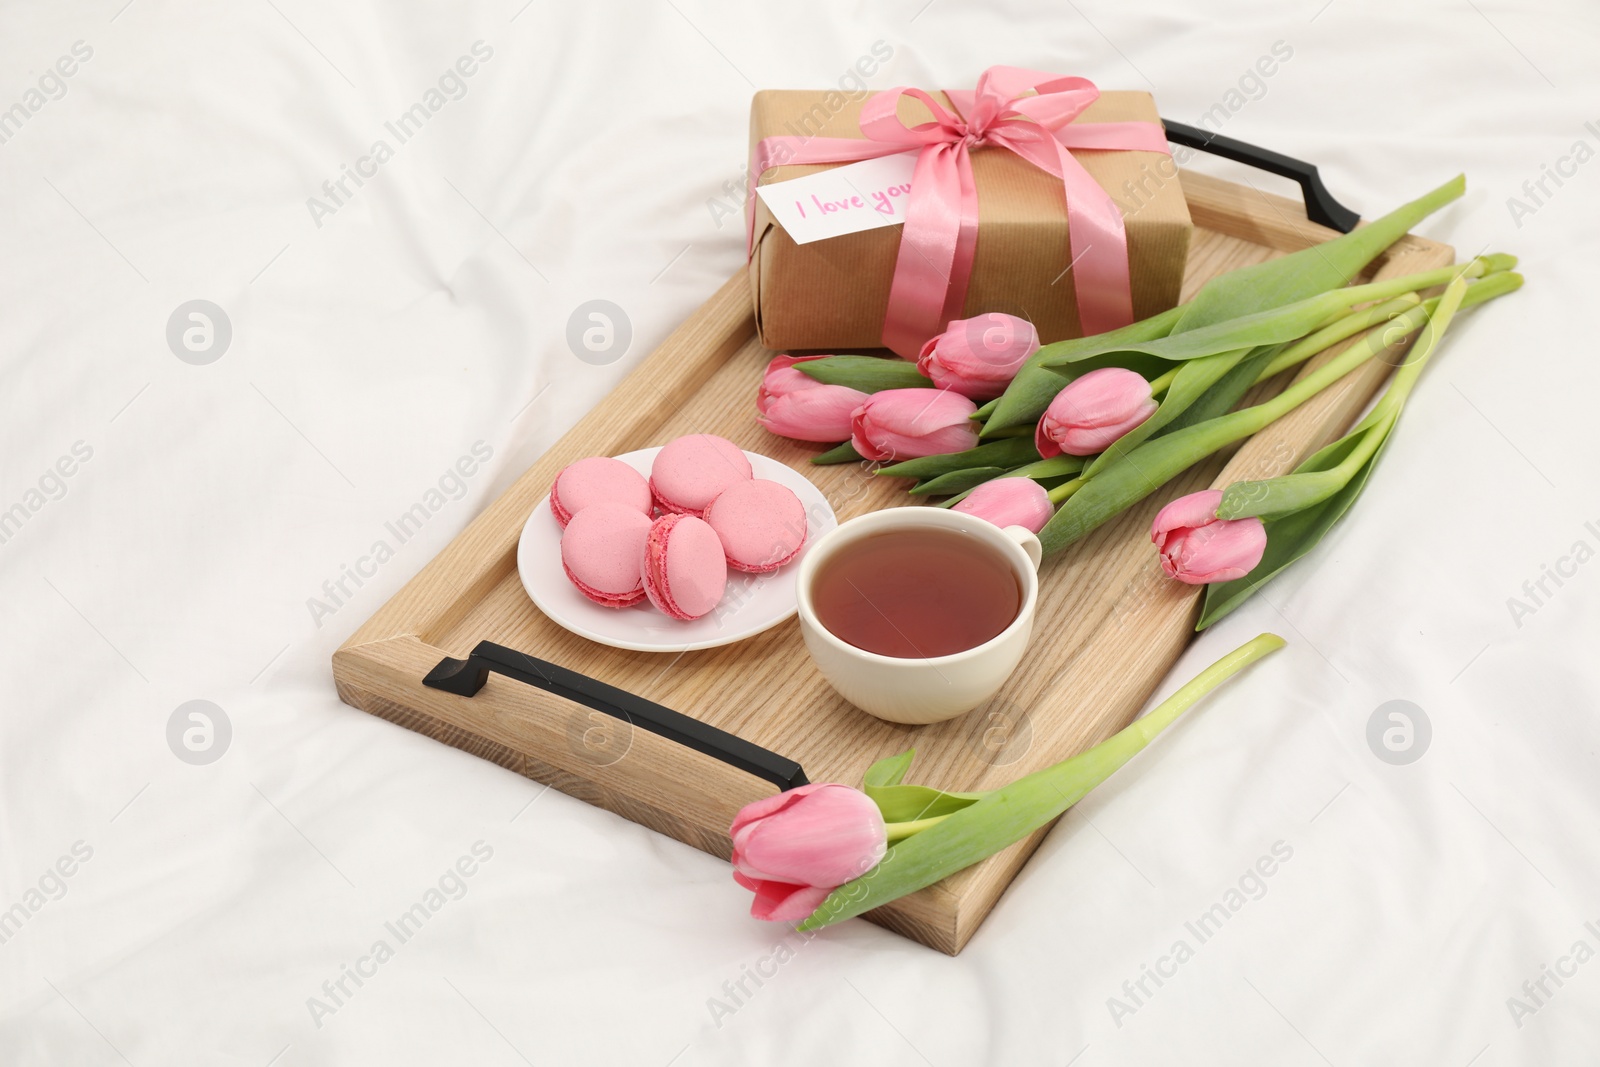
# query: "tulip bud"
793,849
793,404
898,424
1093,411
1009,502
978,357
1198,548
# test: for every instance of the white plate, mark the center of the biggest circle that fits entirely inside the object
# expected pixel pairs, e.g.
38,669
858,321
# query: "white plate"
753,602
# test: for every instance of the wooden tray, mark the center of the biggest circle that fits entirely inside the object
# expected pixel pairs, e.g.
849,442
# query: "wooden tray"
1109,627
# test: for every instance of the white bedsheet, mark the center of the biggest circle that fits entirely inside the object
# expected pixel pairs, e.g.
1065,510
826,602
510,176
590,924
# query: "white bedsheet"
180,517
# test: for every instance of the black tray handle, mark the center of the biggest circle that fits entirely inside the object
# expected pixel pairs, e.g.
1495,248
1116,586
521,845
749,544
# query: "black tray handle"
1321,207
465,677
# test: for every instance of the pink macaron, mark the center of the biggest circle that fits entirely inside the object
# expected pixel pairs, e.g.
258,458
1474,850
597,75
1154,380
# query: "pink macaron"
761,524
690,472
601,549
596,480
685,571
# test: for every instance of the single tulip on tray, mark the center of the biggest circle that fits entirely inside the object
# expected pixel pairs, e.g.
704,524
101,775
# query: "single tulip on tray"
791,850
817,854
908,423
797,406
978,357
1198,548
1093,411
1010,502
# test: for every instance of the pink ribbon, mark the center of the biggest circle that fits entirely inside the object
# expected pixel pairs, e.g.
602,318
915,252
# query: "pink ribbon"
934,263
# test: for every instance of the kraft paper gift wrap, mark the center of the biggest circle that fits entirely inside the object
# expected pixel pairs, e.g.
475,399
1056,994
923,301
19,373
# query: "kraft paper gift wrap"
833,294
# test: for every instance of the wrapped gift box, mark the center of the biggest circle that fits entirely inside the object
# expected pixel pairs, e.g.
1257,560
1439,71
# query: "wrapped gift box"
832,294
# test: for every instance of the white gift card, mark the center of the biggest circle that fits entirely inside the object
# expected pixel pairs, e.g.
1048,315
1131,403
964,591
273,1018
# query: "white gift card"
831,203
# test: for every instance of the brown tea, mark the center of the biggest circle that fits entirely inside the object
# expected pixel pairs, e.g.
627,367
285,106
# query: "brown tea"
915,594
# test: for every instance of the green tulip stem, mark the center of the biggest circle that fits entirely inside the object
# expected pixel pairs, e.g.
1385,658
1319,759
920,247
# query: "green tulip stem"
1065,489
1166,713
899,831
1387,410
1314,481
1159,385
1492,269
1389,288
1248,421
1054,467
1433,315
1439,318
1342,328
1012,431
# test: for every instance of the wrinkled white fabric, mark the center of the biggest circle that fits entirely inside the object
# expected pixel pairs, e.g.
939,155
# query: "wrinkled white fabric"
399,353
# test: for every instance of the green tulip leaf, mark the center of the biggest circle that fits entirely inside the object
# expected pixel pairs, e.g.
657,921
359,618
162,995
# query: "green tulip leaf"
1006,453
909,803
1271,327
889,770
1311,270
956,481
844,453
1314,481
1047,472
1224,393
1054,467
870,374
952,501
1291,322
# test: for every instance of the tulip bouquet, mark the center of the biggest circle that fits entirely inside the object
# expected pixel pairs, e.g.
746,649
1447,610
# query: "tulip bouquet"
825,852
1063,437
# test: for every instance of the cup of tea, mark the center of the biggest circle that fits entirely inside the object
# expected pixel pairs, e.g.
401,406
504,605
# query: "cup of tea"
918,614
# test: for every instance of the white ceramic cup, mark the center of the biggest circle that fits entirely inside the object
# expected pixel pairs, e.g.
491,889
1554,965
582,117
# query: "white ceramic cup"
919,691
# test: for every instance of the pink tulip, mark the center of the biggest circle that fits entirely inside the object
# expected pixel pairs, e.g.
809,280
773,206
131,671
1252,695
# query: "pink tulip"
900,424
1009,502
793,849
794,404
1093,411
1198,548
978,357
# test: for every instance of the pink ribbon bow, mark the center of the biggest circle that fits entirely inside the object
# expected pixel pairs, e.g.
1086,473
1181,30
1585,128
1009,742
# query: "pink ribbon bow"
934,263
